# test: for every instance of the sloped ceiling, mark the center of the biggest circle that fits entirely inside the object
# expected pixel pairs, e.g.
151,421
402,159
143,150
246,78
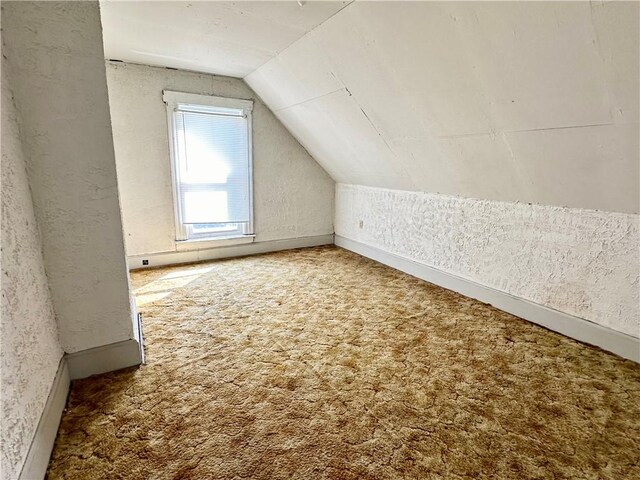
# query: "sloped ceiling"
226,38
530,102
518,101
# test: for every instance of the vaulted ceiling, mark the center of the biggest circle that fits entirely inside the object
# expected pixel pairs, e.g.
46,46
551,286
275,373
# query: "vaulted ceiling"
226,38
515,101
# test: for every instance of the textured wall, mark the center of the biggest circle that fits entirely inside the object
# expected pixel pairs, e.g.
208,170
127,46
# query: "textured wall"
60,88
293,196
512,101
29,346
582,262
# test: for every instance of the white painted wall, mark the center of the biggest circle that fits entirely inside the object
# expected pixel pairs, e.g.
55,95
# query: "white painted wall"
513,101
29,346
582,262
293,195
54,50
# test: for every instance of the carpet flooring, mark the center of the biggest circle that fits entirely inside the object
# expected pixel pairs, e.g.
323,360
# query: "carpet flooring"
320,364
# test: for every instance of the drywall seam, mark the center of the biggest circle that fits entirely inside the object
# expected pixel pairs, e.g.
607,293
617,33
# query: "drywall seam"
311,99
173,258
571,326
298,39
585,263
584,125
397,161
526,183
467,135
105,358
37,459
596,38
479,134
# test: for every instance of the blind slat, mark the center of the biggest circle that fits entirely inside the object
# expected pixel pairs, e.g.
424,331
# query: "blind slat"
213,167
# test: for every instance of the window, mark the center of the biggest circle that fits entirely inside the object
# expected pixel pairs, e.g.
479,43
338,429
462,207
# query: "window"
211,165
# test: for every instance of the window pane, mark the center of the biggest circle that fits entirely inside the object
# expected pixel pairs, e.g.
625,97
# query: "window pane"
200,205
213,167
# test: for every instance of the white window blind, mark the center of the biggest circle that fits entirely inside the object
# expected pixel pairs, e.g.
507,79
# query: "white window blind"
212,163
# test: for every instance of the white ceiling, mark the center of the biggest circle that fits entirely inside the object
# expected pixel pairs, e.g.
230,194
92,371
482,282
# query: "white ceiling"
226,38
516,101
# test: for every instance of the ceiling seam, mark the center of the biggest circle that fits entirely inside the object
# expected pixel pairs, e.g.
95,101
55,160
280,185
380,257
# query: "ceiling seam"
296,41
311,99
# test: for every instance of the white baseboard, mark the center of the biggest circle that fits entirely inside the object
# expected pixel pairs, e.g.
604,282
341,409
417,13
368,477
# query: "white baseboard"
72,366
106,358
37,460
172,258
575,327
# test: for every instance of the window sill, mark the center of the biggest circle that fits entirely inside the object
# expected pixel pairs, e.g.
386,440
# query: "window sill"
202,243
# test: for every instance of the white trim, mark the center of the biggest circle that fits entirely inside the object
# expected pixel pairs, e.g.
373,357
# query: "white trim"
172,258
251,227
174,98
137,328
179,226
105,358
72,366
575,327
37,459
202,243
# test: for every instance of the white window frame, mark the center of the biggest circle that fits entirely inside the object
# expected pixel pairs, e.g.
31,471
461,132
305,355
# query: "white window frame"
184,232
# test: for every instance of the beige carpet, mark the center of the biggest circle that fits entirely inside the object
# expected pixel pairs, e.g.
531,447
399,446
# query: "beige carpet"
319,364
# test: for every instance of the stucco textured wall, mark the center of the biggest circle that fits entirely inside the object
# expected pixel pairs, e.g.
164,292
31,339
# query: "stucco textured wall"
60,88
293,195
582,262
29,346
